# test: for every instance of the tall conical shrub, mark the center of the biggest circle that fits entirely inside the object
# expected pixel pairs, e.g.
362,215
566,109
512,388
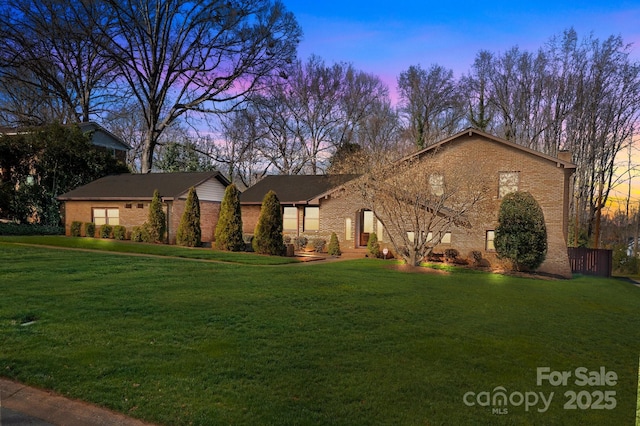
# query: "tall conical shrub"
189,233
334,246
267,238
157,220
229,227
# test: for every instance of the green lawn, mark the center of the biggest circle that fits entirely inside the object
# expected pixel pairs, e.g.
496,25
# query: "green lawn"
181,342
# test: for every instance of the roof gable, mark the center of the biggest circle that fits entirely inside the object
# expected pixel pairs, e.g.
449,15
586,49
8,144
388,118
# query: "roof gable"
471,132
141,186
293,189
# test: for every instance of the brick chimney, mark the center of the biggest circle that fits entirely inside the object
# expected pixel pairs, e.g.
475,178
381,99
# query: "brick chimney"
565,156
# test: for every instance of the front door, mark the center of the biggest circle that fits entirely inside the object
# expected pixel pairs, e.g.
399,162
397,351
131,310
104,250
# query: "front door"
365,227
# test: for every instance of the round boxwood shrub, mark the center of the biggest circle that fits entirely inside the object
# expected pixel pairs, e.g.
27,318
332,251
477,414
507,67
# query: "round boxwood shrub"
90,229
521,234
119,232
76,228
106,231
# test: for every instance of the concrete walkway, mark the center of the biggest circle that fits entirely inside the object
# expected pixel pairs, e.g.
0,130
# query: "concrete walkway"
23,405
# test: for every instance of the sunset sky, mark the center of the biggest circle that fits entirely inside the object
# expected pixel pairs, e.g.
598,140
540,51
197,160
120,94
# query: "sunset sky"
386,37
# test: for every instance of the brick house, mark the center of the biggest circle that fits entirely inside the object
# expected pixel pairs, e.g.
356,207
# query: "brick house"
124,200
315,206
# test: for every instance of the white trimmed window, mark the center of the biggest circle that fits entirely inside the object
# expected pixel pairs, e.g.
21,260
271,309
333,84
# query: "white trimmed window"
348,234
367,217
508,183
446,238
311,218
489,245
436,182
106,216
380,231
290,219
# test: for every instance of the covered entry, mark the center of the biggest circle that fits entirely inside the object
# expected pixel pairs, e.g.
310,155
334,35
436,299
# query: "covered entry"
364,227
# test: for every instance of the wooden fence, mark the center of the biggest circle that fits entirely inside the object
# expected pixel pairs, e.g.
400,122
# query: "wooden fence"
591,261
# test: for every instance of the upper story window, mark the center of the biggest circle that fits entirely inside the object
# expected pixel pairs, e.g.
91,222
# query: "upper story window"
106,216
508,183
311,218
290,219
436,182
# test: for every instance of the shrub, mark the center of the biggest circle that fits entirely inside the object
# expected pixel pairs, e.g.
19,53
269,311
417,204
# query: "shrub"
268,234
372,245
476,256
300,243
623,263
157,221
29,229
106,231
521,234
189,232
140,234
287,239
334,245
318,244
229,228
90,229
451,254
76,228
119,232
248,242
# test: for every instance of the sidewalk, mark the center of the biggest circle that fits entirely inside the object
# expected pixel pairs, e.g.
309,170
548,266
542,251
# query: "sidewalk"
23,405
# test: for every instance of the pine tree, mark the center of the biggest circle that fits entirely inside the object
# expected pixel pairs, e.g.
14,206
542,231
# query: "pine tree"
267,237
521,234
157,220
334,246
229,227
189,233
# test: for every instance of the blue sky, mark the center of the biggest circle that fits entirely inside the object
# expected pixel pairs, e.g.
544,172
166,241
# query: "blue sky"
385,38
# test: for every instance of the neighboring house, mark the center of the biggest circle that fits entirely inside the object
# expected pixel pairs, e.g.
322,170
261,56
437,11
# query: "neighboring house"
315,206
100,137
103,138
124,200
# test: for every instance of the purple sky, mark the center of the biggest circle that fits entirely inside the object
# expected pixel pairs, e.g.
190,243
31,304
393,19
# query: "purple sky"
385,38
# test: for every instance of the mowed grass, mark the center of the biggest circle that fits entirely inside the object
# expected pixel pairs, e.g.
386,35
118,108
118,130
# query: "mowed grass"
178,342
129,247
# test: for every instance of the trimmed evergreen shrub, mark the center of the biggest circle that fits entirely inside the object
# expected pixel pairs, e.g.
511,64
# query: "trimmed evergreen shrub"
300,242
90,229
372,245
106,231
229,228
267,238
119,232
157,220
521,234
334,245
318,244
76,228
189,233
451,254
29,229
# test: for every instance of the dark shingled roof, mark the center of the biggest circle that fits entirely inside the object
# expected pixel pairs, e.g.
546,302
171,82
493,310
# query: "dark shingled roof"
141,186
293,189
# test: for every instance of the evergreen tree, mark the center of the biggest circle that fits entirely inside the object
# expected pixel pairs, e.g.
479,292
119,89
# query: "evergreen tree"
229,227
189,233
267,237
334,246
372,245
157,220
521,234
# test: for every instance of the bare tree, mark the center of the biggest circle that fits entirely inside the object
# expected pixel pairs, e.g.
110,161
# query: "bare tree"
431,104
48,53
419,199
180,56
